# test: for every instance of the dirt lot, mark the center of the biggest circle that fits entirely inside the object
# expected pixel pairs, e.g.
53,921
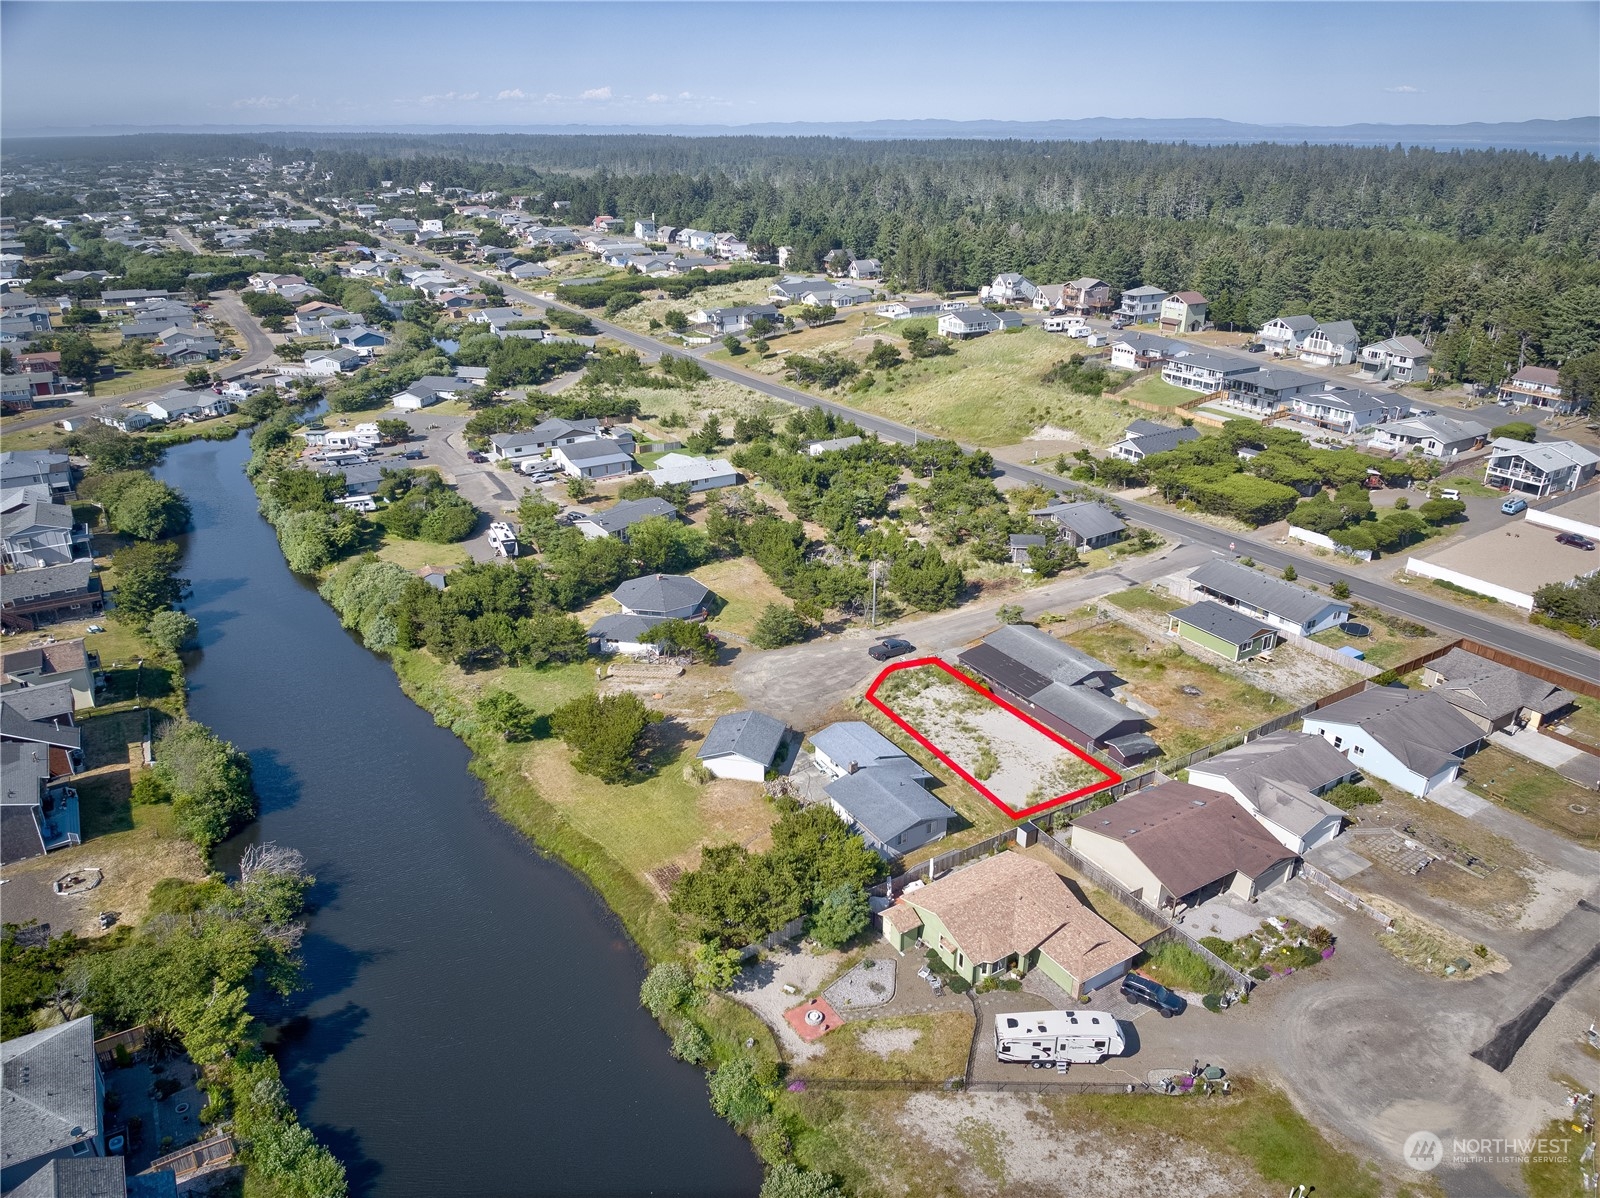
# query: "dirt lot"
1020,764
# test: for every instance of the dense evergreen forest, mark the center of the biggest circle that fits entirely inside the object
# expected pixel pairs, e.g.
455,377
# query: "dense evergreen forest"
1494,255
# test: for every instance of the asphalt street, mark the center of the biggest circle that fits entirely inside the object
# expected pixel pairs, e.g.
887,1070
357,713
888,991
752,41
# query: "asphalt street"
1562,655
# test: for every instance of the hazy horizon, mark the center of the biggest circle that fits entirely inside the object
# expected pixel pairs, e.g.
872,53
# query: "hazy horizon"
389,66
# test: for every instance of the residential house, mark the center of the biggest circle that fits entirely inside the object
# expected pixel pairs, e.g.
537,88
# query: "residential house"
1280,780
1082,525
1142,304
836,296
430,389
31,599
1413,739
1087,297
125,420
644,230
906,309
623,632
36,816
1179,845
722,321
865,268
1269,390
1021,546
1347,409
1204,370
1048,297
1283,605
1184,312
697,473
42,716
51,1099
543,437
669,596
1539,469
1284,335
878,790
1145,437
35,467
616,520
1399,360
128,298
1223,630
329,362
1010,288
742,745
600,457
1493,696
1539,387
52,662
1331,344
1436,436
42,534
1140,351
1061,687
1011,914
970,322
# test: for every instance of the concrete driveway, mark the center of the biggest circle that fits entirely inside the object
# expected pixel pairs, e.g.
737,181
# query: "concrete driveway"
803,683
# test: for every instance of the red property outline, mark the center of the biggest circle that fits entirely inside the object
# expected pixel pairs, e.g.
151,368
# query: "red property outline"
1112,777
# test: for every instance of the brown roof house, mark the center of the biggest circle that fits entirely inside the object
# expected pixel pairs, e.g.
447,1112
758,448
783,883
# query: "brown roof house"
1178,845
57,661
1011,913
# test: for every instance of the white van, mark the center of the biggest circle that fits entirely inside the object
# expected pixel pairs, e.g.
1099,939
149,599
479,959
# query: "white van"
1449,493
1046,1037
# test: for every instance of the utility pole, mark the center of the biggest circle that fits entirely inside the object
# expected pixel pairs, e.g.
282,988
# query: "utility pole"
873,570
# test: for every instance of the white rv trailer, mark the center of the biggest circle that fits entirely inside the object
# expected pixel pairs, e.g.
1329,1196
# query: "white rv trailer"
1064,324
1083,1037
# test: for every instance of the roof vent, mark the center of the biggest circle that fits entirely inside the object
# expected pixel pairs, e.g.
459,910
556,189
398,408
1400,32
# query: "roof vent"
1197,802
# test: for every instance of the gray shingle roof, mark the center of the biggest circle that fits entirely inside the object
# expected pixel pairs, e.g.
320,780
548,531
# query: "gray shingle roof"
1233,627
749,734
1161,442
22,769
1420,728
87,1177
1088,520
1494,691
630,512
660,592
853,740
1291,757
887,800
49,1101
28,585
1044,654
36,515
1091,712
619,626
585,451
1245,585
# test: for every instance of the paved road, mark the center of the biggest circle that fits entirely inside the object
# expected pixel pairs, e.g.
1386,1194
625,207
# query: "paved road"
184,242
1550,651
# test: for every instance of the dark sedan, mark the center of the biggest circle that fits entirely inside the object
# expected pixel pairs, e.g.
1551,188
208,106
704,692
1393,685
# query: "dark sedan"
889,646
1575,540
1137,988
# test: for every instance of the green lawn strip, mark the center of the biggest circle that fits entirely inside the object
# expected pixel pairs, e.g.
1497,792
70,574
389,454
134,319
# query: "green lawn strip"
1556,1174
1179,967
1144,599
1584,720
1154,389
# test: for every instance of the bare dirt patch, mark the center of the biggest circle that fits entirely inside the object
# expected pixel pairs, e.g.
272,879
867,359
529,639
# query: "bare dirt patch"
884,1041
1008,1143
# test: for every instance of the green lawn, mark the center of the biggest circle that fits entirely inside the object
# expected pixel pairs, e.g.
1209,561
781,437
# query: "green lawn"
1584,720
1154,389
861,1050
1467,486
1144,599
1530,789
990,391
1384,646
745,591
1158,671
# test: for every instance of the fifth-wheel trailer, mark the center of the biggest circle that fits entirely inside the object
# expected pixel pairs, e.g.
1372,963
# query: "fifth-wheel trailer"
1082,1037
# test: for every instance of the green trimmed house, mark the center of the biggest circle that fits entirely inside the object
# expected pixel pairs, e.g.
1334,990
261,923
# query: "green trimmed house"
1223,630
1011,914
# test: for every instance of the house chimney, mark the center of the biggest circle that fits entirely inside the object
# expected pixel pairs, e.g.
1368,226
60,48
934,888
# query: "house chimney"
851,768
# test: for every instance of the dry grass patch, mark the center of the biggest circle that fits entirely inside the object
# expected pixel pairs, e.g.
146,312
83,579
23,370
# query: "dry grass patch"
1431,949
745,591
931,1048
413,555
1535,791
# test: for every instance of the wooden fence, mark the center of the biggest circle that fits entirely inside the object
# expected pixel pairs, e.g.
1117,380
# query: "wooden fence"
1343,895
772,940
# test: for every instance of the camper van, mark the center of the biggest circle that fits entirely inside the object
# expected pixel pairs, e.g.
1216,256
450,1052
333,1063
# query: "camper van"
1048,1037
1065,324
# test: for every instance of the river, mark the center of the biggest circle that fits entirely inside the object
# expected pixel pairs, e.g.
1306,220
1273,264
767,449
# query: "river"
470,1019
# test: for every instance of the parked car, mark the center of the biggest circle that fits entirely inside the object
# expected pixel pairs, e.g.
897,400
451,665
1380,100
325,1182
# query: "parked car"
1120,322
474,456
889,646
1514,505
1137,988
1255,347
1449,493
412,455
1575,540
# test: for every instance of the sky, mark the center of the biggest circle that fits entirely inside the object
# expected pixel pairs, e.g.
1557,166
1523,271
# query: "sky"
283,64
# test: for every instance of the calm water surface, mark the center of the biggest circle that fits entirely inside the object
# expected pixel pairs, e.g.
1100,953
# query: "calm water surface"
471,1024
